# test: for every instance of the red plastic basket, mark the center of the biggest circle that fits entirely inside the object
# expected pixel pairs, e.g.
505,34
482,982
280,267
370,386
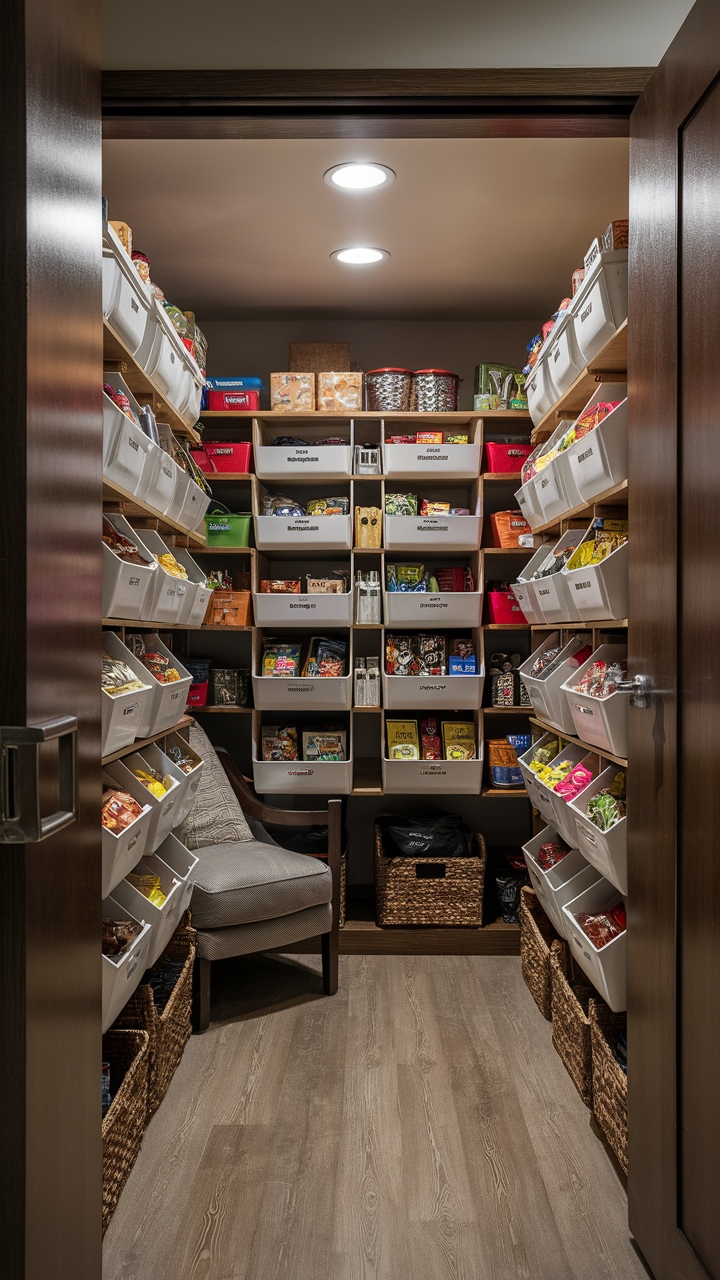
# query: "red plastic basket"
506,457
198,695
502,607
236,401
223,455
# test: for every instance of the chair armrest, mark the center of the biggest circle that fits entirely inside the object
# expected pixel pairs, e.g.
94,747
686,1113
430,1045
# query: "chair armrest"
254,808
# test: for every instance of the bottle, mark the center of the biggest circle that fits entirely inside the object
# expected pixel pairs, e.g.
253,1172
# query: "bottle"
361,688
372,683
374,597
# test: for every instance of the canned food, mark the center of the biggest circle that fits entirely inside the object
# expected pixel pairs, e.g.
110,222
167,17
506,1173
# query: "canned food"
434,391
388,390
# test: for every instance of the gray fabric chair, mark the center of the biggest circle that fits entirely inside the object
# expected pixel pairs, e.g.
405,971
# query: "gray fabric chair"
250,894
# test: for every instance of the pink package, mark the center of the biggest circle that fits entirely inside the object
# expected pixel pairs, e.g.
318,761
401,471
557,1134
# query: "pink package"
575,782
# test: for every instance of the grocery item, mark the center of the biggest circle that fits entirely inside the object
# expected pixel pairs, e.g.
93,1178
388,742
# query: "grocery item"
157,783
121,546
458,739
604,926
149,886
434,391
280,659
461,662
325,658
168,562
388,390
279,745
548,855
455,438
124,235
291,586
324,744
326,586
496,385
117,677
429,437
120,399
181,758
117,936
508,889
228,688
551,774
292,392
119,810
328,507
431,742
368,598
556,560
577,278
428,508
142,264
616,236
401,504
601,679
609,805
275,504
368,527
543,755
421,654
402,738
604,537
339,392
507,527
158,664
576,781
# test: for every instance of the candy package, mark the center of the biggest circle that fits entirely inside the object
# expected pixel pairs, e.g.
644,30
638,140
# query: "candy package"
430,740
328,507
428,508
324,744
117,677
325,658
168,562
157,783
149,886
600,680
280,659
182,758
543,755
576,781
119,810
458,739
431,654
609,805
280,586
401,504
548,855
551,774
161,667
279,745
604,926
508,889
339,392
117,936
604,537
121,546
399,655
456,438
120,399
402,738
555,561
429,437
507,527
275,504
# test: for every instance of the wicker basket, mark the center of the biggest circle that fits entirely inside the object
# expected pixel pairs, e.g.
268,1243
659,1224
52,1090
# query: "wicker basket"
123,1127
570,1020
536,938
431,892
609,1079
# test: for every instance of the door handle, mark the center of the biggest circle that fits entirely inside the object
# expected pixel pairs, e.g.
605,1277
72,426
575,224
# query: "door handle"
20,821
640,689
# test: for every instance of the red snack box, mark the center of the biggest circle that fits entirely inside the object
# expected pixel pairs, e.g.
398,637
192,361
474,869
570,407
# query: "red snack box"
233,401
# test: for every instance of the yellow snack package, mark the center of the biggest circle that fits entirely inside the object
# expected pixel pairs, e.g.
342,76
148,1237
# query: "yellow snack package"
149,886
458,739
403,740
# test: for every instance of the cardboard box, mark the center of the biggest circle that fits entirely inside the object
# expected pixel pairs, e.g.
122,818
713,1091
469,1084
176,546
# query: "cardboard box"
317,357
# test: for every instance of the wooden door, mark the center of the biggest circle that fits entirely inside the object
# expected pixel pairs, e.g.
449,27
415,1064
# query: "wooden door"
50,610
674,744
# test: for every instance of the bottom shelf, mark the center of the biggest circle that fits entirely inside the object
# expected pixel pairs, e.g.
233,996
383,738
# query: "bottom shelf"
364,938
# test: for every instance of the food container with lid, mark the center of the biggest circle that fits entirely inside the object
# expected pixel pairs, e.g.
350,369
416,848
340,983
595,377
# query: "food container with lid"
388,390
434,391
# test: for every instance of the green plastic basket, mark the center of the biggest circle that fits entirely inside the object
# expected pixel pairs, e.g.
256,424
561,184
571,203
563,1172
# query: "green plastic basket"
223,528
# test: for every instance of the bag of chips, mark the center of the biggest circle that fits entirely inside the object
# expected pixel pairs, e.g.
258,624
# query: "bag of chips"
119,810
604,926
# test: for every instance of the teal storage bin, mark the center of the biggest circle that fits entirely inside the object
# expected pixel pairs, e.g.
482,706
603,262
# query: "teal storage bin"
223,528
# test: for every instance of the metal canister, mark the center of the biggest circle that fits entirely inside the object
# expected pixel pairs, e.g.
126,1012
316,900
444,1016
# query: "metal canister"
434,391
388,390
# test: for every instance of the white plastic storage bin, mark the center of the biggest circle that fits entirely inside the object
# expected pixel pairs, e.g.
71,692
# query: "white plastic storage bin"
541,391
561,883
162,763
192,778
168,596
461,693
319,533
529,504
563,817
555,487
564,358
281,463
431,461
176,884
195,504
552,594
606,850
183,863
165,703
601,722
161,479
432,608
601,303
433,777
599,592
163,808
121,851
320,693
161,355
606,968
530,778
125,586
191,389
126,448
123,714
303,609
122,975
546,801
126,299
194,609
600,460
300,777
180,494
524,589
425,535
547,696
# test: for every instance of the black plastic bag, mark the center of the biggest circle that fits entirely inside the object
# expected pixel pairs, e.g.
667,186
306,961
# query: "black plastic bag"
426,835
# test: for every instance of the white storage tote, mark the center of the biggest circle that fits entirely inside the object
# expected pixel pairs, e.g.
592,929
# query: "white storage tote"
606,968
167,598
547,696
600,460
163,808
180,494
159,761
552,809
122,849
426,693
524,589
319,533
125,586
122,974
126,448
123,714
555,487
431,461
561,883
601,722
195,607
183,863
606,850
296,462
427,535
530,778
600,591
542,393
601,303
195,504
432,608
165,703
192,385
161,355
193,777
553,597
298,694
529,503
161,479
564,358
175,883
301,777
433,777
126,299
303,609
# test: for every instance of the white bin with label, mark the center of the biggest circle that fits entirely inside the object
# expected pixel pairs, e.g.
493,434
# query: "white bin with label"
193,611
320,693
180,493
300,777
125,586
530,778
607,967
547,802
126,299
302,609
122,849
601,722
432,608
555,486
165,703
600,460
547,696
525,590
601,303
435,462
175,740
318,533
163,815
606,850
123,714
166,767
161,479
432,535
161,356
564,358
561,883
529,504
168,597
542,393
281,463
183,863
122,974
461,693
175,882
599,592
193,381
551,592
126,448
433,777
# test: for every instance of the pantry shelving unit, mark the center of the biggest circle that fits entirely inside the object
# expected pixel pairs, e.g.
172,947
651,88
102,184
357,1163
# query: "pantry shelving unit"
609,365
183,724
119,500
544,727
117,358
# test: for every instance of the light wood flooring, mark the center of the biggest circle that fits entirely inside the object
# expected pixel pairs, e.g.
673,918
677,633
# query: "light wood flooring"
417,1126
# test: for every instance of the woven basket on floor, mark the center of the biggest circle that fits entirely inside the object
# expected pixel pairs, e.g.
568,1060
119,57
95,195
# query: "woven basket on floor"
570,1020
124,1125
609,1079
439,892
536,938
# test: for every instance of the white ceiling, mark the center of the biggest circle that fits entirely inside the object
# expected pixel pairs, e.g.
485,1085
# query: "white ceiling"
404,33
476,228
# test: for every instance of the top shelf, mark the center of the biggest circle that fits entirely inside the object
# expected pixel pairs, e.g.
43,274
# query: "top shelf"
607,365
460,417
143,388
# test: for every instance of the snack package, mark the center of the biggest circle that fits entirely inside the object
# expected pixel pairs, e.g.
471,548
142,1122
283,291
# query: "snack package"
401,439
458,739
117,936
339,392
543,755
117,677
328,507
401,504
183,759
616,236
548,855
280,659
608,806
119,810
168,562
124,235
428,508
368,527
292,392
429,437
551,774
324,744
604,926
430,739
456,438
156,783
507,527
160,667
275,504
461,661
577,278
402,737
601,680
149,886
279,745
576,781
280,586
325,586
399,655
325,658
121,546
431,654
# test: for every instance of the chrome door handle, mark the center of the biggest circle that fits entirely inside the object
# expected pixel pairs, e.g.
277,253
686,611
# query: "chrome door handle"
20,821
640,689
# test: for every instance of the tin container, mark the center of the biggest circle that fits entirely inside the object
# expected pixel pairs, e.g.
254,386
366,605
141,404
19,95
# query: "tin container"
388,390
434,391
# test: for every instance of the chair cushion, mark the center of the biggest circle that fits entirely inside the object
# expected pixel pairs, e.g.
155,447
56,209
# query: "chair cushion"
216,815
264,935
240,883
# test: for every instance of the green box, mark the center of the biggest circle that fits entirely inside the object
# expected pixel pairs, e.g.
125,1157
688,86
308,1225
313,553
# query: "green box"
223,530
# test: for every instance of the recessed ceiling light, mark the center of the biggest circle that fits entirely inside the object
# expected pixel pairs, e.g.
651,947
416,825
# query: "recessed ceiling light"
360,255
359,177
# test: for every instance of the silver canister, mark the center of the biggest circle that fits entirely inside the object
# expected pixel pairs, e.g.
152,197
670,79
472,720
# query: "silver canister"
434,391
388,390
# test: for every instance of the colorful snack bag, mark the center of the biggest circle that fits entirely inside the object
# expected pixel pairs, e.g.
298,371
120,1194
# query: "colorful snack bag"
401,504
279,744
458,739
430,739
402,737
280,659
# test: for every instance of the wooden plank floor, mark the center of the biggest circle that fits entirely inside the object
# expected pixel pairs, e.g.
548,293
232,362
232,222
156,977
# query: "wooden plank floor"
417,1126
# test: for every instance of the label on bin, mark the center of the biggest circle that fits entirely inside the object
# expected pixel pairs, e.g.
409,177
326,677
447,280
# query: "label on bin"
586,312
434,773
300,773
303,528
299,688
583,457
432,528
133,582
431,688
301,457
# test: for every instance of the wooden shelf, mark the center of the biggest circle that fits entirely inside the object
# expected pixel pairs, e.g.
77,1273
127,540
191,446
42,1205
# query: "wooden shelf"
367,776
616,496
608,365
130,506
211,476
358,551
505,626
364,937
492,793
226,711
225,551
166,626
507,711
458,417
616,624
143,388
140,743
586,746
503,475
510,551
362,710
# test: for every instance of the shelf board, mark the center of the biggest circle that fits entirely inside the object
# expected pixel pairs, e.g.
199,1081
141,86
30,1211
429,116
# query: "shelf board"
140,743
114,494
367,776
166,626
365,937
457,417
607,366
358,551
227,711
566,737
505,626
503,475
367,626
616,623
362,710
142,386
224,551
211,476
507,711
492,793
615,496
510,551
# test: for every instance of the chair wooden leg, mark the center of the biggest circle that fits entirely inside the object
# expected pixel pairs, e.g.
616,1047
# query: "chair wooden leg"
201,996
329,945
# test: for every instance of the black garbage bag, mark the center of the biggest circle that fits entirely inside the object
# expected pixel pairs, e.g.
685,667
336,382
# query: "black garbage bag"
299,839
426,835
